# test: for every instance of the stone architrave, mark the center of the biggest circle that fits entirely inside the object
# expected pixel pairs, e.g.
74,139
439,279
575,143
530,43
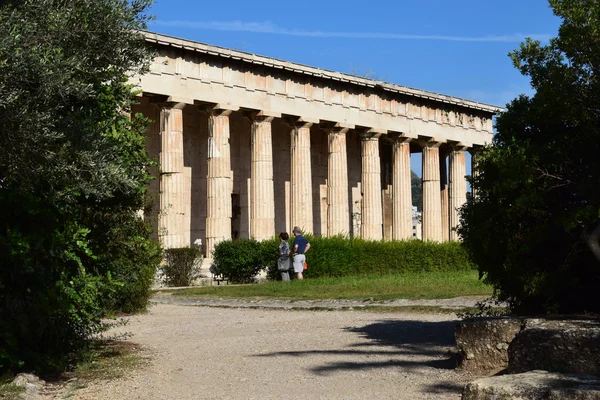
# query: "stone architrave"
401,190
444,195
301,208
262,201
457,187
172,185
432,204
371,209
218,182
338,209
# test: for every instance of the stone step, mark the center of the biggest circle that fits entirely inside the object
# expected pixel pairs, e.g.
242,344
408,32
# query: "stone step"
534,385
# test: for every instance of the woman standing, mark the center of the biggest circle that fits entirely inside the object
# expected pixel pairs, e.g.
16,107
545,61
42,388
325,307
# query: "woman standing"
283,262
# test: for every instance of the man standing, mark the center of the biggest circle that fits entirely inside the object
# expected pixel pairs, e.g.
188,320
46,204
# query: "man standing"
301,246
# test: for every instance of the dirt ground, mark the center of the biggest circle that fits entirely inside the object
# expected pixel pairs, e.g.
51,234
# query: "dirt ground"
200,352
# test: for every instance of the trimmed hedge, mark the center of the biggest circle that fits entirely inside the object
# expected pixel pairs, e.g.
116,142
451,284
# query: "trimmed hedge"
241,260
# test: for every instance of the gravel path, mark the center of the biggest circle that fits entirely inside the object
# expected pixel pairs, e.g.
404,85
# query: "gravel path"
450,304
236,353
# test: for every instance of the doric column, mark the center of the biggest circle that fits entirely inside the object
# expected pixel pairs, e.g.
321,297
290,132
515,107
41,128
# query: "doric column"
474,168
432,207
371,210
401,190
301,207
218,182
338,211
458,187
171,177
262,201
444,194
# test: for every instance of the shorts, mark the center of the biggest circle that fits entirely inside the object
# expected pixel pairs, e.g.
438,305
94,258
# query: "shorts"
299,262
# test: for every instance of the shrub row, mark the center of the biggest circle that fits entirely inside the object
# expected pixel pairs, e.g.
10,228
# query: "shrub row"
241,260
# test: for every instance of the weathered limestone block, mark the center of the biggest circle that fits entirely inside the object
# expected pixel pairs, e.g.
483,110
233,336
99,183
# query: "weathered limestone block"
483,342
534,385
569,346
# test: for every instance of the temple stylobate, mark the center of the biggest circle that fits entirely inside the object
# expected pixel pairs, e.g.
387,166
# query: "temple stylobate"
250,146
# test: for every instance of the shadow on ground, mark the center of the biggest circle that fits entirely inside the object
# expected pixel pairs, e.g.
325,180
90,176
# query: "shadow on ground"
406,345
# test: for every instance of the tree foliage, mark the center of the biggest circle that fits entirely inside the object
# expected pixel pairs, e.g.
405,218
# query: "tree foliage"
72,174
539,184
416,186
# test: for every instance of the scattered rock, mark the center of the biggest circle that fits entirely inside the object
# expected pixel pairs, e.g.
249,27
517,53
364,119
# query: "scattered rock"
534,385
483,342
27,381
32,385
568,346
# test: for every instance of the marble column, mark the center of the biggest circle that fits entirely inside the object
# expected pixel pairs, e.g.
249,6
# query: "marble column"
371,208
458,187
218,182
338,210
474,168
170,218
262,201
432,207
443,153
301,207
401,190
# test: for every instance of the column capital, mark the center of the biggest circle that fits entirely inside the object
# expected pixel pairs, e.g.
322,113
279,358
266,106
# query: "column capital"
367,133
368,136
458,146
297,122
475,150
430,143
398,137
216,112
330,126
170,105
259,116
336,130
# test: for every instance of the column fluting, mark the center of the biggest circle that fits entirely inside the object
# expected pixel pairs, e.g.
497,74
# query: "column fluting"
401,190
371,207
218,182
301,208
458,188
338,210
444,195
170,218
432,207
262,201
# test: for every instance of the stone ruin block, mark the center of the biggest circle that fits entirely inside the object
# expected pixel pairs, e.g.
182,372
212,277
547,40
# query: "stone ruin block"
568,346
483,342
534,385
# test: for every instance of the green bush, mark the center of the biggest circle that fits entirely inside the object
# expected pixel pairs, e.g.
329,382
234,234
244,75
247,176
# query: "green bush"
73,176
241,260
180,265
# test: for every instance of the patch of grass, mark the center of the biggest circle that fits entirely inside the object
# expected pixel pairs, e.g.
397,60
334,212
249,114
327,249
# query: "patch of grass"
8,391
430,285
107,361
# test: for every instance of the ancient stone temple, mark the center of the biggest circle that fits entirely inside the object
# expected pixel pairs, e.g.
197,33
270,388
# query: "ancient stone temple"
250,146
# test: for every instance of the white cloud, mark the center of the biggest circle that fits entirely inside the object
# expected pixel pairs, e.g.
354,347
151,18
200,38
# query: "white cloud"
270,28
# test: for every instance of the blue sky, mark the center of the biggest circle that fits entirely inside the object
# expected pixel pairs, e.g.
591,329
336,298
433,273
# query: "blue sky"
457,48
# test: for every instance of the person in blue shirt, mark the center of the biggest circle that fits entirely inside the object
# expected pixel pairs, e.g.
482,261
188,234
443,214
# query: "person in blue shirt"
299,250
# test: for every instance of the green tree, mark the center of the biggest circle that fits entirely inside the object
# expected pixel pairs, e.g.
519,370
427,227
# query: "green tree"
538,188
72,175
416,187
